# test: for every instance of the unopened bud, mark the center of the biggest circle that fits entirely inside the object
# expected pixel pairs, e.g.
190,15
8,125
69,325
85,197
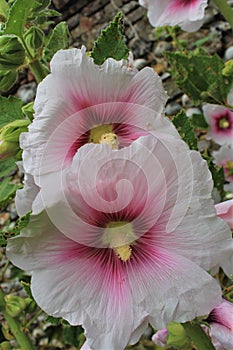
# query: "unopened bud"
176,335
12,54
14,305
9,138
34,38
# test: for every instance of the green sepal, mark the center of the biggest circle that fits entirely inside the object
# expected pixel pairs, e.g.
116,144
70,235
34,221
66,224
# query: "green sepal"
200,76
12,53
58,39
111,42
28,110
199,338
7,79
185,129
177,336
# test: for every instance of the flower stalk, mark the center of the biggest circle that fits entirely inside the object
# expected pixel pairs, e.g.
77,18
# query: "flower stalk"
225,10
15,326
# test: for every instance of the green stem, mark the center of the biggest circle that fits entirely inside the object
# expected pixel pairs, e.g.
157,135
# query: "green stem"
38,70
225,10
15,327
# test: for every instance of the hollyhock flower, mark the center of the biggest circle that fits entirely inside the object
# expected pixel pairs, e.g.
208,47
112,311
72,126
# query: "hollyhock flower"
221,325
80,102
125,240
224,157
220,120
188,14
225,211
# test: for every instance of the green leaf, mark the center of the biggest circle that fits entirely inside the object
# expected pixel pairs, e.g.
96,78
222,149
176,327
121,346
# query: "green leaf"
58,39
185,129
53,320
17,17
200,76
198,336
7,167
10,109
7,192
27,288
4,8
71,335
199,122
111,42
19,225
217,174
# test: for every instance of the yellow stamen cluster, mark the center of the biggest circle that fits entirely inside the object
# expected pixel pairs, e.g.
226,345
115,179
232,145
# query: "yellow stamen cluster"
104,134
224,123
119,236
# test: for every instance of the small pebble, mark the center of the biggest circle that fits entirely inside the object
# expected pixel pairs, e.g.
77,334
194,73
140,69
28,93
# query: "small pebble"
185,101
172,108
193,110
161,47
140,63
27,92
228,54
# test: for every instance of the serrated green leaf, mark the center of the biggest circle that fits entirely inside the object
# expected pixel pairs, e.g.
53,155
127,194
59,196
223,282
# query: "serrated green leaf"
7,167
111,42
198,336
199,122
185,129
58,39
200,76
27,288
17,17
217,174
71,335
53,320
10,109
7,192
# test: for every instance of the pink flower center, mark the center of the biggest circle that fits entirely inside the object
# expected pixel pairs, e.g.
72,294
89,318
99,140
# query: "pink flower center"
183,3
223,122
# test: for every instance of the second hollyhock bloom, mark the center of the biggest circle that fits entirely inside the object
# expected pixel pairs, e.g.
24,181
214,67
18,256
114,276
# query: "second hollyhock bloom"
188,14
126,239
220,120
221,325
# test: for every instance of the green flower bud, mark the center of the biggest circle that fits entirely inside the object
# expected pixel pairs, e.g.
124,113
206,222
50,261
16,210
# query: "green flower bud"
34,38
5,345
7,79
227,70
177,336
28,110
9,138
14,305
12,54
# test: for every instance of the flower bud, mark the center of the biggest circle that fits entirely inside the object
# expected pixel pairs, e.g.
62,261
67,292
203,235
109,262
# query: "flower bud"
7,79
5,345
9,138
12,54
34,38
28,110
14,305
176,335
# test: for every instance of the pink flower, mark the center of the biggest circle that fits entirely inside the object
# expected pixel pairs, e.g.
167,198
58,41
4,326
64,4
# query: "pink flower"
80,102
220,120
221,325
125,240
225,211
224,157
160,337
188,14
